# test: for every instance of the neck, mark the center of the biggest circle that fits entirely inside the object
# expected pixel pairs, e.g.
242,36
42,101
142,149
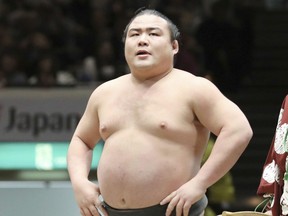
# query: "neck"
144,77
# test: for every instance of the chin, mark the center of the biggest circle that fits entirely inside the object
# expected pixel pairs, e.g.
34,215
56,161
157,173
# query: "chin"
143,66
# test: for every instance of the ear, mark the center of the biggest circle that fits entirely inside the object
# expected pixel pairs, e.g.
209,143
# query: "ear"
175,46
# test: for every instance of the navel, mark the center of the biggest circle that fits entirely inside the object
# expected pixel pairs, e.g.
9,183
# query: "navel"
123,201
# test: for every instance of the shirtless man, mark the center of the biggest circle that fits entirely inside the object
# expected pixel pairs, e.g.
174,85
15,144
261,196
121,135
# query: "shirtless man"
155,122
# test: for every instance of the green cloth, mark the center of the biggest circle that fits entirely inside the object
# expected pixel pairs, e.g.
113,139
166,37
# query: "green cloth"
223,190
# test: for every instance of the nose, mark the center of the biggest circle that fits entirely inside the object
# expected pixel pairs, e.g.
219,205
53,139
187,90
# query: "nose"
143,40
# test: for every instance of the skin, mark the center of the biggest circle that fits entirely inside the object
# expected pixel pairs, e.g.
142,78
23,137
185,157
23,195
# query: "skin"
155,122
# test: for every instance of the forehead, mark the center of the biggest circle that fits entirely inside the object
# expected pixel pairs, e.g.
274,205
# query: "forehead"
149,21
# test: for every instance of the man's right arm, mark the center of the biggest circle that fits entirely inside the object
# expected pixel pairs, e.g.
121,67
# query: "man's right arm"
79,159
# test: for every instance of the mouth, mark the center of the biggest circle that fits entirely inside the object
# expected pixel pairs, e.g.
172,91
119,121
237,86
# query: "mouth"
142,52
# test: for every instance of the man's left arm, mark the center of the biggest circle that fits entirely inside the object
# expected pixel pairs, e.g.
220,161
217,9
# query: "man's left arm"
224,119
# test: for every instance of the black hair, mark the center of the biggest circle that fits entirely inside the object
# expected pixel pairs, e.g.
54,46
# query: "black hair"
174,31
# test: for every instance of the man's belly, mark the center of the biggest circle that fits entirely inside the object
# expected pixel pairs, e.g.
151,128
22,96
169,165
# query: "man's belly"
138,175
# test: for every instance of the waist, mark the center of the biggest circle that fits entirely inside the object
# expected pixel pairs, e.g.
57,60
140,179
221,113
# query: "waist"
156,210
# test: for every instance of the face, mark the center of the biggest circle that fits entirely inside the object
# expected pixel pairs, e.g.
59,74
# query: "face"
148,46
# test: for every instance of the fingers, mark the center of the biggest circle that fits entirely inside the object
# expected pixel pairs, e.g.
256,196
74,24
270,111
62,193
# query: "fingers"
186,208
179,208
172,205
174,201
168,198
94,209
181,205
90,211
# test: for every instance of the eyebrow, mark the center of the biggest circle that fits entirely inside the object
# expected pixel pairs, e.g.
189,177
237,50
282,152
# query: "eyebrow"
149,29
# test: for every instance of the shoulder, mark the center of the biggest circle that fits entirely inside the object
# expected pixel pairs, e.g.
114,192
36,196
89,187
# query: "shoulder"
108,88
195,84
111,85
201,93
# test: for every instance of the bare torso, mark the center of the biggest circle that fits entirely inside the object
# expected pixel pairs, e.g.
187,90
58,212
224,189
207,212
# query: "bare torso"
153,141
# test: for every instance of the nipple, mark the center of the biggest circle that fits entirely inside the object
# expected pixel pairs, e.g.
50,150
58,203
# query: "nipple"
103,128
163,125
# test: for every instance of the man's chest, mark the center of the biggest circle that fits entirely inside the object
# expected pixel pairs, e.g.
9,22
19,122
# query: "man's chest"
161,112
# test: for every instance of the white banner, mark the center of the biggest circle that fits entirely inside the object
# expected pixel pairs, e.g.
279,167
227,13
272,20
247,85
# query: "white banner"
41,114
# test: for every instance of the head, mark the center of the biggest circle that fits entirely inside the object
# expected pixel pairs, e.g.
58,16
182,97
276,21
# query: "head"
151,42
174,31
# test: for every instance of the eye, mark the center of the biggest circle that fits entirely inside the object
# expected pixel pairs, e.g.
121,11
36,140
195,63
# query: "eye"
154,34
134,34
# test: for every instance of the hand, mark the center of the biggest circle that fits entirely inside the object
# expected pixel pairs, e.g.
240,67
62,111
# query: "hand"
87,197
183,198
